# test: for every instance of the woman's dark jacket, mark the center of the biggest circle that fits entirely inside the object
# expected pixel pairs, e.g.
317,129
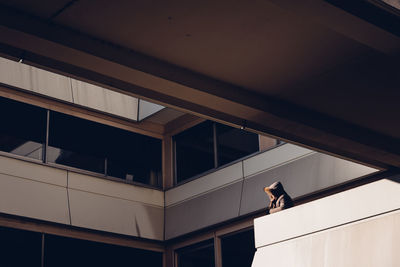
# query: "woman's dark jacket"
282,199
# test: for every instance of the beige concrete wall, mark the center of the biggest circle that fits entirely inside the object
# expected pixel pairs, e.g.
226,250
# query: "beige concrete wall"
35,191
345,207
373,242
358,227
273,158
207,183
41,192
116,207
236,190
233,173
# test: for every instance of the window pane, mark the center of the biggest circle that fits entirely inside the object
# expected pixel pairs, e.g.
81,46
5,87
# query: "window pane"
194,151
88,145
238,249
63,251
234,144
199,255
76,142
20,248
134,157
23,128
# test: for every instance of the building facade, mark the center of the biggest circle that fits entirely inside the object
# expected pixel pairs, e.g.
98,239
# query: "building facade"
111,157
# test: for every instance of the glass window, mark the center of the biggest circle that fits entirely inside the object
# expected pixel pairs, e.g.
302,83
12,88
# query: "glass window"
23,128
234,143
100,148
199,255
63,251
195,153
76,142
194,150
20,248
133,157
238,249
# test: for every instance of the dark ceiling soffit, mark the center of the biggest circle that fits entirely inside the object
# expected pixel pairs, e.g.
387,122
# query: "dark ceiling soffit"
385,149
132,59
296,132
374,11
112,52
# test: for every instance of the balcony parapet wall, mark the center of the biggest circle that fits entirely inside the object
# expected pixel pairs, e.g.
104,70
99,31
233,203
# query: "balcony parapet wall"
357,227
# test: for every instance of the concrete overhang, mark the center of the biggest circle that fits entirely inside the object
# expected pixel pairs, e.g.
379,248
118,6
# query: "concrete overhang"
316,73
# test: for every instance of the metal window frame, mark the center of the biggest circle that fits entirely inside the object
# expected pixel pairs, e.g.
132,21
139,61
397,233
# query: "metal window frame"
215,234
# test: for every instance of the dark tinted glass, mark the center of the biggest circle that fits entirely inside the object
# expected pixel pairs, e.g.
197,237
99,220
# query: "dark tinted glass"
76,142
22,128
234,144
133,157
63,251
194,151
20,248
199,255
91,146
238,249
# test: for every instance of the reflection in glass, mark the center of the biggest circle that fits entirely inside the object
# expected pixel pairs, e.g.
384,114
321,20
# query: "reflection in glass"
238,249
195,148
63,251
199,255
194,151
76,160
133,157
234,144
23,128
76,142
107,150
20,248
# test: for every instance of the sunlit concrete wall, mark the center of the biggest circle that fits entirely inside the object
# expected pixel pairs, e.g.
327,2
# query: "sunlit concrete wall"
237,189
46,193
358,227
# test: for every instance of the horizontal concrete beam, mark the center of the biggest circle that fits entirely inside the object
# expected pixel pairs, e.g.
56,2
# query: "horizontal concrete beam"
59,49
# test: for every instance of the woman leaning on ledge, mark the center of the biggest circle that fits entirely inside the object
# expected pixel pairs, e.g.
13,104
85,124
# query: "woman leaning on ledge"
279,199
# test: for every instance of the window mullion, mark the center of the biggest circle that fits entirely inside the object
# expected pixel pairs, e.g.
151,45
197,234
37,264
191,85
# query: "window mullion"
215,142
46,144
